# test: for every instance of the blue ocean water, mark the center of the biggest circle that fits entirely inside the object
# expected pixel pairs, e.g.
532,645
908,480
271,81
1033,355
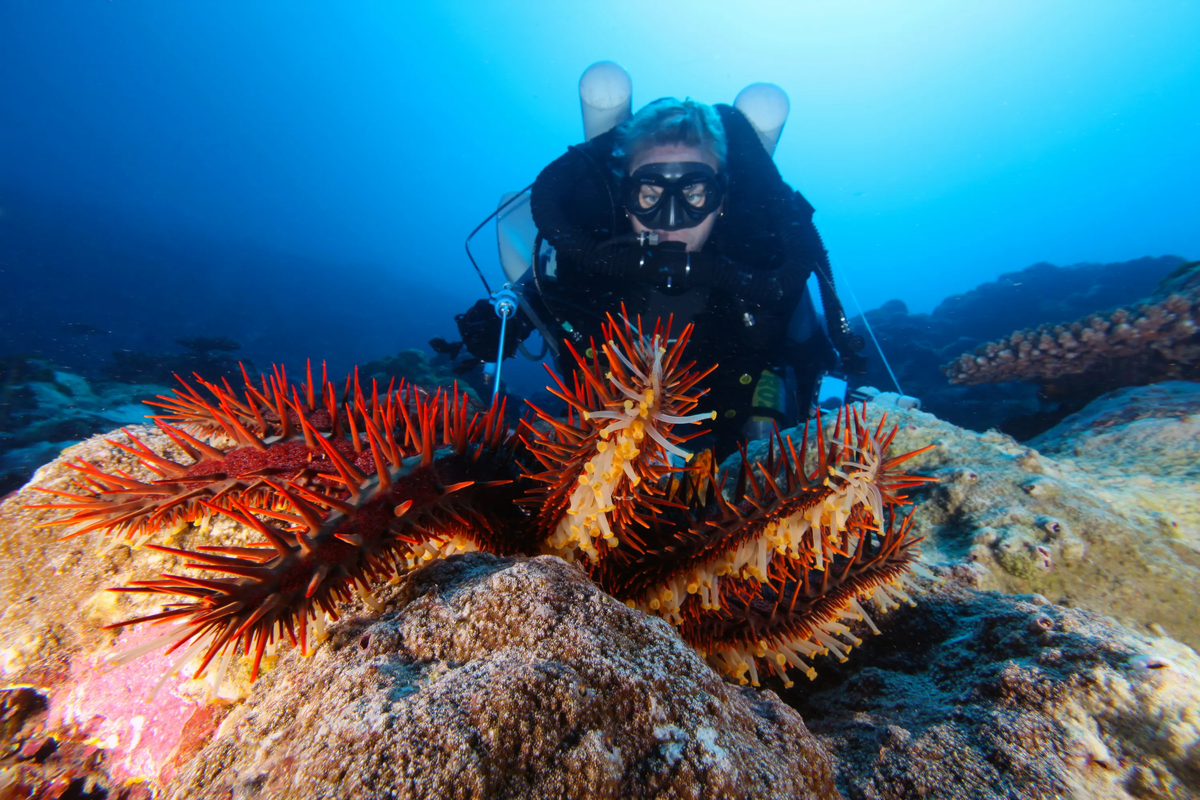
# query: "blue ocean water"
300,177
284,179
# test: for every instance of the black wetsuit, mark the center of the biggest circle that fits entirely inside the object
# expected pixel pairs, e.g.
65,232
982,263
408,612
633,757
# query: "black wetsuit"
741,291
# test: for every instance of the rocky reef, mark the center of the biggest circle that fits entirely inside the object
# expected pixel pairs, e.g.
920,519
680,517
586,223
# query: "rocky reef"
1153,340
44,409
416,367
493,677
206,355
983,696
1043,294
516,677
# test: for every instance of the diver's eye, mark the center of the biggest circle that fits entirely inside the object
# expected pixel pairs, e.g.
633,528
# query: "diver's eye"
648,195
696,195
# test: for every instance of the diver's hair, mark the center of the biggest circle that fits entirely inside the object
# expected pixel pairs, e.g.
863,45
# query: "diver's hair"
670,121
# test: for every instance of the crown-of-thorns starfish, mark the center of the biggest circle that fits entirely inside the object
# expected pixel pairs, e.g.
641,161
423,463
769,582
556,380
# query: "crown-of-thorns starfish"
347,493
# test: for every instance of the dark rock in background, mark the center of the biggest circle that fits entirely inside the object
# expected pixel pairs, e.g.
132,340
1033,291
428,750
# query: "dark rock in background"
1044,292
415,366
918,344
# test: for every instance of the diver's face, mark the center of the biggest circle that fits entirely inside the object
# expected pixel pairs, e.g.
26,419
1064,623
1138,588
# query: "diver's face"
695,237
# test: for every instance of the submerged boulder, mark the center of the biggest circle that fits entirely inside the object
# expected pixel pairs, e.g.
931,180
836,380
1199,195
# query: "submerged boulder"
977,695
491,677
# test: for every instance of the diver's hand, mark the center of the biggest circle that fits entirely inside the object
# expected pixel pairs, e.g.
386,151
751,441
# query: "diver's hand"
479,328
480,331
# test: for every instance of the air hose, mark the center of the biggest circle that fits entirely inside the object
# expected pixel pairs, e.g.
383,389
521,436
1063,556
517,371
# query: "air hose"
505,302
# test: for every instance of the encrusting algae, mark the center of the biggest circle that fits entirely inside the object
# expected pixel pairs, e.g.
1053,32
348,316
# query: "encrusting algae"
349,492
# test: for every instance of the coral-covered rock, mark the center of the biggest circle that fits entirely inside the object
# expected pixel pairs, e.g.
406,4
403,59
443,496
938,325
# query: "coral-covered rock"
981,696
522,673
490,677
106,730
1151,430
1154,340
918,344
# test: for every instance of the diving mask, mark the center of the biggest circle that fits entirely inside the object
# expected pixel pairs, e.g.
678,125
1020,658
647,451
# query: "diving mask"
670,196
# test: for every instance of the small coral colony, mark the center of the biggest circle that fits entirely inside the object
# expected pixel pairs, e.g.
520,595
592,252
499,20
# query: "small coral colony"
347,490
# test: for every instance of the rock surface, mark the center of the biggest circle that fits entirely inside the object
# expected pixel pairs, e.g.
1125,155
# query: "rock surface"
85,725
491,677
976,695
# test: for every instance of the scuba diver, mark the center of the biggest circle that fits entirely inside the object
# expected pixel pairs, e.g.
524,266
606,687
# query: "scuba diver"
680,210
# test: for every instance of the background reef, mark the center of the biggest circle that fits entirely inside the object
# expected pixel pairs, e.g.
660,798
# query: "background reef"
45,408
918,345
1155,339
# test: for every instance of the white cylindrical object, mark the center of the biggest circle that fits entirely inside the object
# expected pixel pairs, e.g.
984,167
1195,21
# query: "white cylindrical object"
767,107
605,96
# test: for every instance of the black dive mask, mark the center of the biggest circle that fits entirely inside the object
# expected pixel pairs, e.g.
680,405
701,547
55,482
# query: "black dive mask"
670,196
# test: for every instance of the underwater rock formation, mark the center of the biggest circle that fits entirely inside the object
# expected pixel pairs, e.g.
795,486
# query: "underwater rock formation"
1154,340
513,677
206,355
969,694
45,758
1150,430
1046,293
495,677
414,366
989,697
44,409
357,492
